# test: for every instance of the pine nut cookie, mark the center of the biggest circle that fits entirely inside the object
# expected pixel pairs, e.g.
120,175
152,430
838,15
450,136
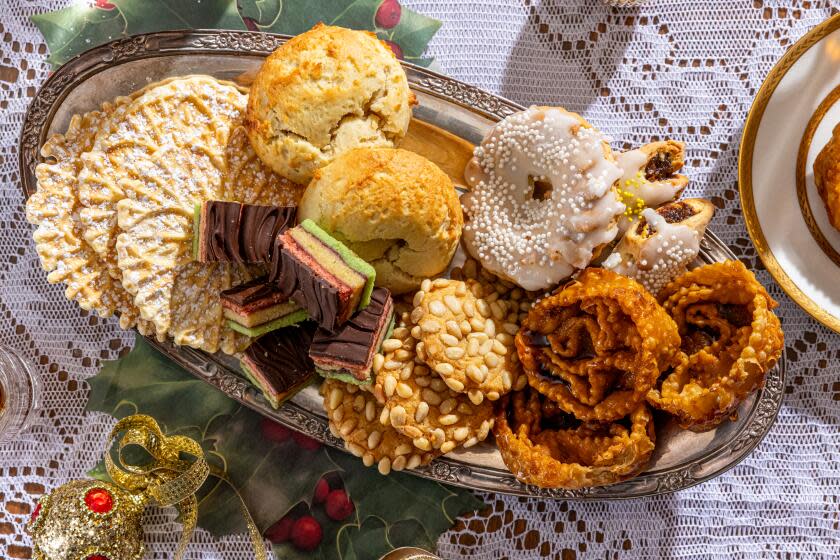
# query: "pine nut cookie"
354,417
420,405
465,338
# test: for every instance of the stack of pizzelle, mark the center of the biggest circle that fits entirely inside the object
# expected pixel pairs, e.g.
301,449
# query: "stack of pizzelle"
114,209
565,383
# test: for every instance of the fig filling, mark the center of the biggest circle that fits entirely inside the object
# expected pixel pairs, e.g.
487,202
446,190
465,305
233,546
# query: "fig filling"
673,213
659,167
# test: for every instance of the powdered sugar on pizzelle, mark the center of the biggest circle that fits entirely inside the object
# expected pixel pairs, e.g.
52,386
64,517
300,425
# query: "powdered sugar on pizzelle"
59,237
537,239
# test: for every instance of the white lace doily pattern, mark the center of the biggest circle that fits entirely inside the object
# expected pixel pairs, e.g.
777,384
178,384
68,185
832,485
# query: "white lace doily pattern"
682,69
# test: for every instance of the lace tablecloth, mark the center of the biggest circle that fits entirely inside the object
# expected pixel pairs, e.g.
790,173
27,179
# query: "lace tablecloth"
682,69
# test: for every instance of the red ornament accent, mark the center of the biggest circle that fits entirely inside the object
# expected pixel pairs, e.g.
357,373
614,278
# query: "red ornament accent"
338,506
35,512
280,531
99,500
388,14
307,533
97,557
104,5
395,48
322,489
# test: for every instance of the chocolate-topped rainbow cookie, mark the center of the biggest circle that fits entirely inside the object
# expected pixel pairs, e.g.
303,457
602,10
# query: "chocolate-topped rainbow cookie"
348,353
258,307
278,363
321,274
239,233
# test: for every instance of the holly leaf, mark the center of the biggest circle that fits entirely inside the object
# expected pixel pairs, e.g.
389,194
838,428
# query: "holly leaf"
73,30
146,382
292,17
264,13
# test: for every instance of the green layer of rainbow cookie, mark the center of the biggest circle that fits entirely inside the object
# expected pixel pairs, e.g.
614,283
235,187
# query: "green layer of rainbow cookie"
347,257
284,321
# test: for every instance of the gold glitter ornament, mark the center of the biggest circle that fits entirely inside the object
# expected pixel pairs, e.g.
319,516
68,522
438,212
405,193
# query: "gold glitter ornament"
65,526
95,520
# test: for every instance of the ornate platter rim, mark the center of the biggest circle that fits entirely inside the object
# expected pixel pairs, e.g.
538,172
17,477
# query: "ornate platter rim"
211,369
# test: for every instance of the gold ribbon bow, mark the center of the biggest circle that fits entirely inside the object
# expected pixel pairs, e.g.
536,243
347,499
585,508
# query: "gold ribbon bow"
172,477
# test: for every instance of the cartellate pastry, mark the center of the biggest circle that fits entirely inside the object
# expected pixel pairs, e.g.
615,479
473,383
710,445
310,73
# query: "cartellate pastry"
597,346
544,446
827,177
730,339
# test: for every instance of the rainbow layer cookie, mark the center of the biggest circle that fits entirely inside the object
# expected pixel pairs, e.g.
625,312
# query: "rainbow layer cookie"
239,233
348,353
258,307
321,274
278,363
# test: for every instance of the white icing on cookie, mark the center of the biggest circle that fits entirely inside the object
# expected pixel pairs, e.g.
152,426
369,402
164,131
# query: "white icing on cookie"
658,259
532,235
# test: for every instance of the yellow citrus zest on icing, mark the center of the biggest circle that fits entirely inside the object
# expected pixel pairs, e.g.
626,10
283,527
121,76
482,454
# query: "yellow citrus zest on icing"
634,204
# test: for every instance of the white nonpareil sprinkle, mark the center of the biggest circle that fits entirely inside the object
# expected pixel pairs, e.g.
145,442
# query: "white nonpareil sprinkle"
533,241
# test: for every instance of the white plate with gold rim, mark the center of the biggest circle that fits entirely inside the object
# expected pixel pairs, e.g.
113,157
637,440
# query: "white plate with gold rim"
789,123
450,118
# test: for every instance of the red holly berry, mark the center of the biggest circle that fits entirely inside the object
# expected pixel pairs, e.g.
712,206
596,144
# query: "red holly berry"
99,500
306,442
338,505
35,512
274,431
397,50
388,14
322,489
307,533
104,5
280,531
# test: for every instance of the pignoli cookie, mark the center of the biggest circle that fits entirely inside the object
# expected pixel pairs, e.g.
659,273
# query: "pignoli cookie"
354,417
419,404
466,338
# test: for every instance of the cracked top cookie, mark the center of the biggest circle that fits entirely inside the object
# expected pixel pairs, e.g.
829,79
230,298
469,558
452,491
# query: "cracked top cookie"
394,208
323,93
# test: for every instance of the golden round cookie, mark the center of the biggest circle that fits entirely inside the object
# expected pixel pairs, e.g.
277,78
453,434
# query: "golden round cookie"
354,417
325,92
465,338
418,403
394,208
827,177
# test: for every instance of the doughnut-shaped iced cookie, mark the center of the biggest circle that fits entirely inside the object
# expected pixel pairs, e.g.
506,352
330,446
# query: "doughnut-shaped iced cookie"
542,198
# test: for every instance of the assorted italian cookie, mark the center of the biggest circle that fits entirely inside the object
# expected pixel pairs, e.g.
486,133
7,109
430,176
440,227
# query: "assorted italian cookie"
578,310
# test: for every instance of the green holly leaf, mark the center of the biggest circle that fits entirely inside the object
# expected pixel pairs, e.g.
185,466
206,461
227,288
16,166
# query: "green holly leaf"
73,30
264,13
292,17
147,382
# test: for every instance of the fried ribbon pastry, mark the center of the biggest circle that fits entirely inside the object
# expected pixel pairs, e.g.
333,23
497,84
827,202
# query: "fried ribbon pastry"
597,346
730,339
542,445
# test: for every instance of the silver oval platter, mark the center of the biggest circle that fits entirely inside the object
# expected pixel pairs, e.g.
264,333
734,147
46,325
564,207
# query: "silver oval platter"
450,117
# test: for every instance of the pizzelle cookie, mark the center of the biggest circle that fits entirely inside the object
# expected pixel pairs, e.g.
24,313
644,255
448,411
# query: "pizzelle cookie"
465,338
419,404
59,237
354,417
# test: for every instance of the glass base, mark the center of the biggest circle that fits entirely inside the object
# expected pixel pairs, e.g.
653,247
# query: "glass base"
20,391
